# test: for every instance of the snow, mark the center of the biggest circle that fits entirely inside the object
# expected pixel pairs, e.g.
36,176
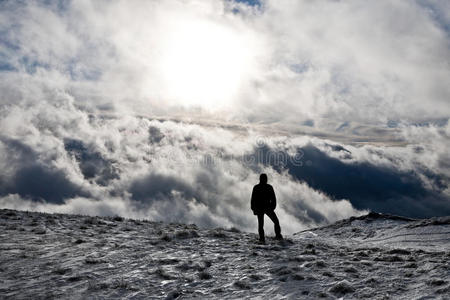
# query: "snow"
78,257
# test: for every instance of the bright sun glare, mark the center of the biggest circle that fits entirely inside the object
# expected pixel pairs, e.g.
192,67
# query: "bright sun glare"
204,64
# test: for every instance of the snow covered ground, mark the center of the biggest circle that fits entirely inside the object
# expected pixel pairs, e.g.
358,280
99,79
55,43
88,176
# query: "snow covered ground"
79,257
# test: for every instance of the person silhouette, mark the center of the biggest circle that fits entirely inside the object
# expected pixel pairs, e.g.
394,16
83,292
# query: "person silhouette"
264,202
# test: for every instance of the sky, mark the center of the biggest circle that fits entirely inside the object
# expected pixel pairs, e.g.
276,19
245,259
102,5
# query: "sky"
169,110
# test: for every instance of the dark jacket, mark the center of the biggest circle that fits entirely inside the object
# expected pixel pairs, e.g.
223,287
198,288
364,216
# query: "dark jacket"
263,199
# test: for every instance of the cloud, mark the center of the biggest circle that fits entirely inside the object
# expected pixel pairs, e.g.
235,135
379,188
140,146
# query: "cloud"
332,62
92,165
154,186
33,180
367,185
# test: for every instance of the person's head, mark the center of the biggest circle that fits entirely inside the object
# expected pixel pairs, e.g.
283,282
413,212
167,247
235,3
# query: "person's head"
263,178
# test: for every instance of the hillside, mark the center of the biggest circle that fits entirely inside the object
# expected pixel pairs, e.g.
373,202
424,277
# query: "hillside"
78,257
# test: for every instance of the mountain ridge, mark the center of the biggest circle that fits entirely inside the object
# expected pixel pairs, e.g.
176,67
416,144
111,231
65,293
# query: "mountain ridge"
77,257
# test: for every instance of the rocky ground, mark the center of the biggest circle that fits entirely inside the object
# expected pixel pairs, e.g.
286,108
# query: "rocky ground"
82,257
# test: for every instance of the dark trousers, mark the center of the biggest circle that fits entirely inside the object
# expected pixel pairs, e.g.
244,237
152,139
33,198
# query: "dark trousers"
276,223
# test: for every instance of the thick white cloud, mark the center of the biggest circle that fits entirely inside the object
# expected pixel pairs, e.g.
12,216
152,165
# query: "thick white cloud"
355,61
327,61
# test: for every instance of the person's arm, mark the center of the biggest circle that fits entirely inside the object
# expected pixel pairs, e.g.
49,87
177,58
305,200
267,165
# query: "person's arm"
252,201
274,199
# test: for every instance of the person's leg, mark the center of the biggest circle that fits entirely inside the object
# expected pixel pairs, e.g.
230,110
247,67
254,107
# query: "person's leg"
276,223
261,227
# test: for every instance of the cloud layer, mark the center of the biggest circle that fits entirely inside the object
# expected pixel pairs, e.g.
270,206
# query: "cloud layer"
162,170
176,171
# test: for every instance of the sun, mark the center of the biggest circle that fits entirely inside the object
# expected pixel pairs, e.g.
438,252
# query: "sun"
204,64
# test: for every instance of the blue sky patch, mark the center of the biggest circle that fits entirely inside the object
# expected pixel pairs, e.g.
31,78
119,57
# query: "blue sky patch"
250,2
